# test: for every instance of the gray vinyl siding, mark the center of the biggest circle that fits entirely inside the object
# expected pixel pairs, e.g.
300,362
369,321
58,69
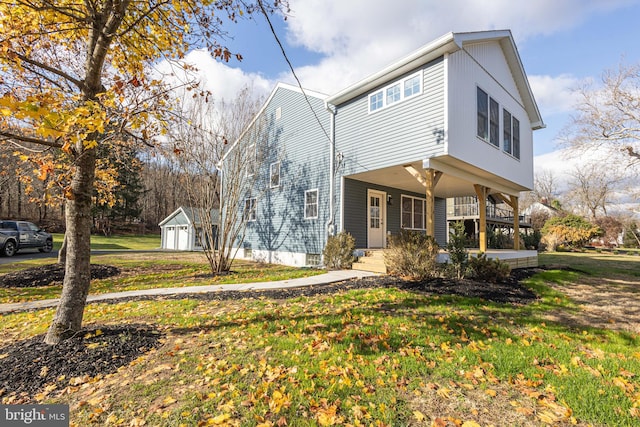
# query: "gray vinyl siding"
356,205
297,141
408,131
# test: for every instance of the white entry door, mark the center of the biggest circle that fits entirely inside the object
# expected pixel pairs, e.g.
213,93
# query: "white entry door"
376,218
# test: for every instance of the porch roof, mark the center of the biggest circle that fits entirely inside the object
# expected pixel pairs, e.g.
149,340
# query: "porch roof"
457,178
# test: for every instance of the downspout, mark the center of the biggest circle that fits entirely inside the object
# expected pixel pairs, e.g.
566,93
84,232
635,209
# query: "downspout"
330,225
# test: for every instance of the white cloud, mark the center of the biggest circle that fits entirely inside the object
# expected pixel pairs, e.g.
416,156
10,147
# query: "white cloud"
359,37
223,81
555,94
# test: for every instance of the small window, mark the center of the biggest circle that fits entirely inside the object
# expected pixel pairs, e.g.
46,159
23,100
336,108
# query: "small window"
278,113
506,138
274,173
313,260
311,204
483,114
375,101
393,94
250,209
412,86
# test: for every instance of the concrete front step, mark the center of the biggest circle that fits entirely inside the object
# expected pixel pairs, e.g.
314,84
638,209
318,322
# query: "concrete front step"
372,261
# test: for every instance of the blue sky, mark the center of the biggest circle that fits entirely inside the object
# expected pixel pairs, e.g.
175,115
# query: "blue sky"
334,43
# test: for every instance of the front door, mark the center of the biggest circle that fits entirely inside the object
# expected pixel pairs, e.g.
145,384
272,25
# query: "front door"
376,228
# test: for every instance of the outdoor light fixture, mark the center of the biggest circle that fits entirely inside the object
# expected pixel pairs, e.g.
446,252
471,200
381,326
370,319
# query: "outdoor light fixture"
389,199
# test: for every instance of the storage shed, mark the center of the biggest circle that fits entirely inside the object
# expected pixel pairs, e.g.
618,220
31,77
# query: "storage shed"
182,229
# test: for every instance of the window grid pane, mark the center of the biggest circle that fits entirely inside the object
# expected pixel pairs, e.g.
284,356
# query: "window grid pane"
311,204
483,114
506,122
494,122
375,101
411,86
516,138
393,94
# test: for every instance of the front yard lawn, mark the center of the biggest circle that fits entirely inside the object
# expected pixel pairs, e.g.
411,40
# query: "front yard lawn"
381,357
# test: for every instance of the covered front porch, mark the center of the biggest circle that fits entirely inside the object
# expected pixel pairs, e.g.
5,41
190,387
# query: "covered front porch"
381,202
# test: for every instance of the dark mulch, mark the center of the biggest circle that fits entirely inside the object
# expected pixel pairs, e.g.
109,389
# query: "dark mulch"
50,274
28,367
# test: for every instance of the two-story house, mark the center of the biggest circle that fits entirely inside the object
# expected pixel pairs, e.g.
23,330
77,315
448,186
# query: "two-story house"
453,119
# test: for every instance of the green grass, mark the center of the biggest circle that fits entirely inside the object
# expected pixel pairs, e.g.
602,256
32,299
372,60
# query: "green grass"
155,270
366,357
594,263
132,242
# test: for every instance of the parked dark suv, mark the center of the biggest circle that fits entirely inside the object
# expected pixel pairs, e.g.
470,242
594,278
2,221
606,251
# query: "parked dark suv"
16,235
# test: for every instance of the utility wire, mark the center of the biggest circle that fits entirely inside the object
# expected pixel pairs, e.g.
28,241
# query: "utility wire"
286,58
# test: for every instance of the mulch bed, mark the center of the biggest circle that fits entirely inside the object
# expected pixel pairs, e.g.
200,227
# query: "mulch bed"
30,366
49,274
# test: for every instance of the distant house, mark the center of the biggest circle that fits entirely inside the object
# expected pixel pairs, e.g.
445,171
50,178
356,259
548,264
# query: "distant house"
541,206
182,229
453,119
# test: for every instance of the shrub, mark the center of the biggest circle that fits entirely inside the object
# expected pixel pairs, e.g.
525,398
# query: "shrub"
412,254
532,240
338,253
571,230
490,270
458,254
498,240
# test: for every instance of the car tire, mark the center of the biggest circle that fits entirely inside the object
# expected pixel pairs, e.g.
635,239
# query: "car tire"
48,246
10,248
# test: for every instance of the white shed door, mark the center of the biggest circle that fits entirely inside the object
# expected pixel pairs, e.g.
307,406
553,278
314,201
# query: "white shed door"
170,238
183,238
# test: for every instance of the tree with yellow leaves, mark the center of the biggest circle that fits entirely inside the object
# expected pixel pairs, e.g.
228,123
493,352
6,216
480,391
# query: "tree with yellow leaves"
75,75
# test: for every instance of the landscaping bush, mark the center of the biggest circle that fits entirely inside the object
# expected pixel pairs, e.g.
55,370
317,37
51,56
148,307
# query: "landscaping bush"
412,254
458,254
338,253
490,270
531,241
570,230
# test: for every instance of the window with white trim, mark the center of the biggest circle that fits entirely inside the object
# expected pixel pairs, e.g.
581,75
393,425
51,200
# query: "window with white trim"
250,206
311,204
413,212
274,175
375,101
395,92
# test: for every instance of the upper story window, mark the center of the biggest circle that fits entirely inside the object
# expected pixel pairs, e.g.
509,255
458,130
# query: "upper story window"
412,85
278,113
511,134
274,174
393,94
488,127
375,101
396,92
489,123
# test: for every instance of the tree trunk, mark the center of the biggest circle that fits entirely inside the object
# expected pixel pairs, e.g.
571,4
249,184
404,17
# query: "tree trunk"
62,253
77,276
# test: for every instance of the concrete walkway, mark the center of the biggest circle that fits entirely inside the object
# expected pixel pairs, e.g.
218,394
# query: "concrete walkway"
321,279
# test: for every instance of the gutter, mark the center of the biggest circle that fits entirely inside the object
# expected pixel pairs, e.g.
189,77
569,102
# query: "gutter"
330,224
